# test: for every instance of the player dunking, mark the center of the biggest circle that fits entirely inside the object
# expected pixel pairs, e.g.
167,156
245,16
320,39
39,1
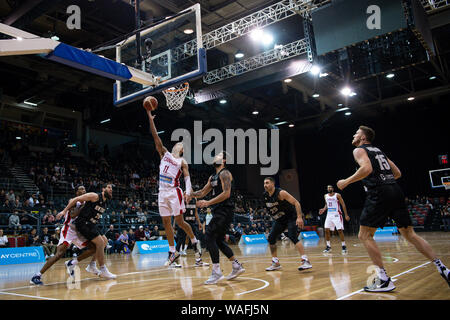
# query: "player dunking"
87,222
69,235
221,185
170,195
287,213
333,204
384,200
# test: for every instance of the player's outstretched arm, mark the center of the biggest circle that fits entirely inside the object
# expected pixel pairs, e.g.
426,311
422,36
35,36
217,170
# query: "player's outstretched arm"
158,143
91,196
284,195
187,178
202,193
225,178
365,168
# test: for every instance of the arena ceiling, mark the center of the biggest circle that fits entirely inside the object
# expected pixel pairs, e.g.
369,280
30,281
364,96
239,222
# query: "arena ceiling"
275,101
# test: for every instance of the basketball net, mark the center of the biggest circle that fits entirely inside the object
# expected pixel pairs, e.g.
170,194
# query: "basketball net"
175,96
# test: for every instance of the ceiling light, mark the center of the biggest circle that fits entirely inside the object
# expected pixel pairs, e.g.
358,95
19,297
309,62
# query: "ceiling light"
160,132
352,94
255,112
280,123
276,119
188,31
223,101
106,120
287,80
348,113
315,70
432,77
323,75
346,91
267,38
18,138
256,34
316,95
239,55
30,103
340,105
411,98
291,125
390,75
342,109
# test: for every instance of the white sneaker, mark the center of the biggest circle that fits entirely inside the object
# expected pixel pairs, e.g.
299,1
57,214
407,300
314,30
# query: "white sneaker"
379,285
183,253
108,246
106,274
214,278
200,263
305,265
70,266
236,271
92,268
52,255
274,266
175,265
198,249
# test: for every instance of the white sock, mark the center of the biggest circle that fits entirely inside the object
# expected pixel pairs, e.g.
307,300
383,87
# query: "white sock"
305,257
382,274
75,261
328,243
103,268
171,248
343,243
92,263
216,267
275,260
194,240
38,274
236,263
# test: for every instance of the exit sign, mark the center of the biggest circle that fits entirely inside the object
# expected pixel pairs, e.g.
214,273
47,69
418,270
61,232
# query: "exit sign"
443,159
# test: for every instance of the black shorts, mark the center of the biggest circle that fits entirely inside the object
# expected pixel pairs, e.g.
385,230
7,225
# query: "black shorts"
278,228
87,229
383,202
220,222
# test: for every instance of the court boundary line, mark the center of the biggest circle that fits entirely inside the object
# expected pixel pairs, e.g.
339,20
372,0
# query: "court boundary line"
28,296
393,277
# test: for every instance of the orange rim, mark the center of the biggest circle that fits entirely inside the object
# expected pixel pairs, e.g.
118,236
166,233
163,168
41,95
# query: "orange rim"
176,90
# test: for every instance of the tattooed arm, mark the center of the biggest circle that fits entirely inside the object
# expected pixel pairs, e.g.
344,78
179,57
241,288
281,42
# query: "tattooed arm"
225,178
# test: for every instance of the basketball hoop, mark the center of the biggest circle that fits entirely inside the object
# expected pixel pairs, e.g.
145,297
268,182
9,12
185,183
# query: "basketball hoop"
175,96
447,185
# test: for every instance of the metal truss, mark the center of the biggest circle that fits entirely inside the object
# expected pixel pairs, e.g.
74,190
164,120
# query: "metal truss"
262,18
433,5
264,59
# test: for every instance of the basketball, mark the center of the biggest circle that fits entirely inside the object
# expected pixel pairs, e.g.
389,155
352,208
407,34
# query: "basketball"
150,103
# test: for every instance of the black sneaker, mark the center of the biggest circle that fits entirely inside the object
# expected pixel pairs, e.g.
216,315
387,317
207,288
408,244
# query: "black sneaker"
444,275
327,250
173,256
344,249
36,280
379,285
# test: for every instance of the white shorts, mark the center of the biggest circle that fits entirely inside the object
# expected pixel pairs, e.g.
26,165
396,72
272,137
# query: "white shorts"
171,202
334,221
69,235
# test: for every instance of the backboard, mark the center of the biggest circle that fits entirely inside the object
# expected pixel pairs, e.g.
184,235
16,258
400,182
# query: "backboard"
172,53
439,177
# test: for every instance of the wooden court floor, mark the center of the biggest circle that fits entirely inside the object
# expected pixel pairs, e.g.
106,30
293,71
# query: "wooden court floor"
333,276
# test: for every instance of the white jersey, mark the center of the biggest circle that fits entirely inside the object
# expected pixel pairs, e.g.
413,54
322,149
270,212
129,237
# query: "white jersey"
169,171
333,205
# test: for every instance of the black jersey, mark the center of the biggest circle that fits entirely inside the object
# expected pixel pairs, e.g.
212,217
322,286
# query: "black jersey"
92,211
279,209
216,184
189,215
381,170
